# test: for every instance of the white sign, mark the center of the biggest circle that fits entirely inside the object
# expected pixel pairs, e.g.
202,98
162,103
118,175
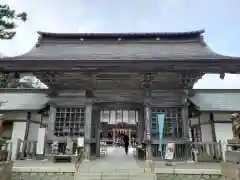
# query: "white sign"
80,142
69,144
41,140
169,151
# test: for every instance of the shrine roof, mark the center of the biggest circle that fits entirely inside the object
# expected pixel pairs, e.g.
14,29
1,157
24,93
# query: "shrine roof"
94,50
217,100
27,99
120,46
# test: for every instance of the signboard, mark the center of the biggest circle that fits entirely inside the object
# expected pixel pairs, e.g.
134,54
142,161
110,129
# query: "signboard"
160,118
69,144
41,140
169,151
80,142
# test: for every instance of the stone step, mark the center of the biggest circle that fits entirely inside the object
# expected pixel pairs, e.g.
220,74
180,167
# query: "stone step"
113,170
115,176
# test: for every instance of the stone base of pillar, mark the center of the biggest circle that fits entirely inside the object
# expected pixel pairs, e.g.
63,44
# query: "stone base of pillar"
85,160
40,157
148,152
170,163
87,151
150,165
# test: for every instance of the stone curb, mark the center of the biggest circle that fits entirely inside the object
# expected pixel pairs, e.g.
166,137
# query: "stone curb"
187,171
131,171
44,169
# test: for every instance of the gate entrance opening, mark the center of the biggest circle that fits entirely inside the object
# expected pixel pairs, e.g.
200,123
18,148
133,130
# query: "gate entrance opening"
117,122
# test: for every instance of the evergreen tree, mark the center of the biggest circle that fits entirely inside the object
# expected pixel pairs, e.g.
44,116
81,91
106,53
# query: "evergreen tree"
8,20
8,23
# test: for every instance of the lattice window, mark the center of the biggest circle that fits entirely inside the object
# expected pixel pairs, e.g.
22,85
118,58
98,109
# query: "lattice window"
69,121
105,116
119,116
132,116
172,125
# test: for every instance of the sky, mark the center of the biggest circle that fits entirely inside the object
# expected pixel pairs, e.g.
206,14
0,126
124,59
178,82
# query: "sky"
219,18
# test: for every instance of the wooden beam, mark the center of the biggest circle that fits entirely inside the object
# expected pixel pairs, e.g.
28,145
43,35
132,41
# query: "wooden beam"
109,80
201,65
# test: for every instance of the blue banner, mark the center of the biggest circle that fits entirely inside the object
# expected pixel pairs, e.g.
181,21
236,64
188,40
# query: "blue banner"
160,118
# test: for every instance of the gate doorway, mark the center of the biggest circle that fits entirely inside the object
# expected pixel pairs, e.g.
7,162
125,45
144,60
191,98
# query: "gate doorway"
117,122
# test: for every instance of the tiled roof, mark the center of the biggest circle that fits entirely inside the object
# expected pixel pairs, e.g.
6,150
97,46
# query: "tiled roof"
217,100
22,101
121,46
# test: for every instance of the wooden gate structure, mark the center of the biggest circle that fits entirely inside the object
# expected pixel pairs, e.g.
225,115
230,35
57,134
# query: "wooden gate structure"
152,72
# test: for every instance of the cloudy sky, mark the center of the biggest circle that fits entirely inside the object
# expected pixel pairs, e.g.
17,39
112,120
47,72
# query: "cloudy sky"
220,19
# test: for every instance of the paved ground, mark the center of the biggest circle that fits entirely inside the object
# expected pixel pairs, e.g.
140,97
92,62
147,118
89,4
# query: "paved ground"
115,160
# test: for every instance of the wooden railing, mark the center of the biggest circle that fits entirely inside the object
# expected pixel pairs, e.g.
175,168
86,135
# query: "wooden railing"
5,150
205,152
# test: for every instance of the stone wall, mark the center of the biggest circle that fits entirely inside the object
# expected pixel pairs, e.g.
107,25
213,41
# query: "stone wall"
43,176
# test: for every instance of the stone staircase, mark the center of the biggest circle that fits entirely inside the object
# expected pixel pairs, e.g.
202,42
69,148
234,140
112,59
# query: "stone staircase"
115,166
115,176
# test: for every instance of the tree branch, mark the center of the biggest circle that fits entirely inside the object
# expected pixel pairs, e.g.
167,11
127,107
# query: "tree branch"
8,19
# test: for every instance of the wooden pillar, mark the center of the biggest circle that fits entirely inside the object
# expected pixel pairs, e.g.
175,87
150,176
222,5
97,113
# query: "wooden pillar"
141,128
105,132
87,129
26,134
114,135
98,126
96,122
185,119
130,136
147,116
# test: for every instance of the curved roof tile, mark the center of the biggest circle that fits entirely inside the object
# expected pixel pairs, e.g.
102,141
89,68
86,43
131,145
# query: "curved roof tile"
125,36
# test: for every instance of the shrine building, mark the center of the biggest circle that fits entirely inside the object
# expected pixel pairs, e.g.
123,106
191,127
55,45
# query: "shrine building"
133,75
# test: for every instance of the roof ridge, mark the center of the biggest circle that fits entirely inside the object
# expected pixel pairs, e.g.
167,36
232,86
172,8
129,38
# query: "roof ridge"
119,36
123,33
70,38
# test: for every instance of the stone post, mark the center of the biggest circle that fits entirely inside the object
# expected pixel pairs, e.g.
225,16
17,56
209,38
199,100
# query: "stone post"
87,129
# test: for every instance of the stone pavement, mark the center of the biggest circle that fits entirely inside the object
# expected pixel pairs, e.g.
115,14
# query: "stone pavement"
118,161
115,161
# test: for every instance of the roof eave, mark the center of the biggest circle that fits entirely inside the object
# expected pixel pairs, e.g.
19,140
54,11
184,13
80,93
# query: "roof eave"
17,110
218,110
